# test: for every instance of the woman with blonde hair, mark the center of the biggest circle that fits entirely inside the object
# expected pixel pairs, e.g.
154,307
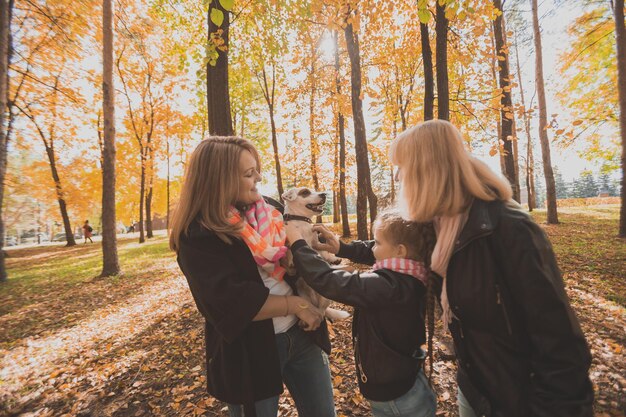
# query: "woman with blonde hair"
258,334
519,346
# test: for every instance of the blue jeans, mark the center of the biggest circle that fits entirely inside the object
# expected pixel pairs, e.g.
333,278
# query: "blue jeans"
465,409
306,374
419,401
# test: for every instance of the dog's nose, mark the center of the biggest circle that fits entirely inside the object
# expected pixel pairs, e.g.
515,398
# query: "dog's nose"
323,195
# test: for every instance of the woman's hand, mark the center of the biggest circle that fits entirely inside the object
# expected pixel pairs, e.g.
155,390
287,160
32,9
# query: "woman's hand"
310,317
293,231
332,241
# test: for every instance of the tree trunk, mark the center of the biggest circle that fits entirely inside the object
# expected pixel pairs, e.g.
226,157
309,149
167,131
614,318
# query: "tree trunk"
494,74
343,200
443,95
506,103
110,261
530,162
167,151
336,211
364,187
620,40
218,96
269,99
149,187
142,191
341,131
429,82
552,217
313,141
516,159
514,137
279,177
5,29
69,233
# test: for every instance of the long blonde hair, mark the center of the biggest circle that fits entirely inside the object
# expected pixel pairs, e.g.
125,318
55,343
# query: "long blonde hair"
439,176
210,188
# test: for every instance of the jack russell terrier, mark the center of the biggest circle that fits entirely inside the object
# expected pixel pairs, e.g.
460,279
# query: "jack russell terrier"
301,205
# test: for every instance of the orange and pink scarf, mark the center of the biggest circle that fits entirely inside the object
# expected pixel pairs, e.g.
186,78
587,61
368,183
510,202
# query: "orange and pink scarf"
264,233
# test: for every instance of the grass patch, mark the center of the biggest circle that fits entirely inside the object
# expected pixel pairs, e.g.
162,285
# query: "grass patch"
53,287
588,251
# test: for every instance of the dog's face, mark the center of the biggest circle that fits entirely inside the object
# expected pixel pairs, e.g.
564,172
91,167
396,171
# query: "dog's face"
302,201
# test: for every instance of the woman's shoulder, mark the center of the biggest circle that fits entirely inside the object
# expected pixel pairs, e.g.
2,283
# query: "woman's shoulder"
199,235
516,227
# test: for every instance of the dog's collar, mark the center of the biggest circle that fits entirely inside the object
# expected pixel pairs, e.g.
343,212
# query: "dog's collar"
288,217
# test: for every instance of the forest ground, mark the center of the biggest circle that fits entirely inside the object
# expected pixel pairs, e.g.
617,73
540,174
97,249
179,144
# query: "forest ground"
72,344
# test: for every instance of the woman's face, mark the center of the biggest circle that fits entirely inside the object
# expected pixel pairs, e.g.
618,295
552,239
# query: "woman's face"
248,178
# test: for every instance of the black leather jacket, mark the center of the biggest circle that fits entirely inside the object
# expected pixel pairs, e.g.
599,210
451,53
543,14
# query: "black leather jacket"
242,361
520,349
388,323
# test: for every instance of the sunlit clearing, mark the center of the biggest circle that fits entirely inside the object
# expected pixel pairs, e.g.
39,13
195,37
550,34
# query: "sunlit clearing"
107,328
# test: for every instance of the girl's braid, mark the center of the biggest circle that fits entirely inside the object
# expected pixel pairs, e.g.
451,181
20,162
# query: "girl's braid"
430,239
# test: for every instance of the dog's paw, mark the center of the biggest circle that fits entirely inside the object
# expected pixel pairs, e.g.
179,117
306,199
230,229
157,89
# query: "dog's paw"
335,315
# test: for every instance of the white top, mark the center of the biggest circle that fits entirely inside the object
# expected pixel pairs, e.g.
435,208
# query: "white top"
281,324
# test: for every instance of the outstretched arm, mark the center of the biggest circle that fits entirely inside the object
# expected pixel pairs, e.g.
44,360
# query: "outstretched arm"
357,251
367,289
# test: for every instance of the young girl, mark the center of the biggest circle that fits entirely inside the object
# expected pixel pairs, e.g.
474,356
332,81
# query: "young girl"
390,303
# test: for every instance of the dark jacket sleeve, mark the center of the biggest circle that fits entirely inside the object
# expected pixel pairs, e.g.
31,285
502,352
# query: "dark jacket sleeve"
358,251
364,290
226,299
560,357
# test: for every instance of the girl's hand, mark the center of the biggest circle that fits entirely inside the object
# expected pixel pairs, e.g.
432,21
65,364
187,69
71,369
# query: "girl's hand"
293,231
332,241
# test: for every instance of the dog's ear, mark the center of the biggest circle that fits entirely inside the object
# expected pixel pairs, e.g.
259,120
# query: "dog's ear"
290,195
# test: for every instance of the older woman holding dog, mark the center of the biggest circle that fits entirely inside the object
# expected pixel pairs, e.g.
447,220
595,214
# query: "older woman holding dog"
519,346
258,334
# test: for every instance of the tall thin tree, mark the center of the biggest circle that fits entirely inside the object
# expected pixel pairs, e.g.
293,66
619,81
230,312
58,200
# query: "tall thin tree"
530,160
341,132
552,216
110,262
5,28
441,48
268,87
429,81
620,40
47,130
218,95
365,193
506,103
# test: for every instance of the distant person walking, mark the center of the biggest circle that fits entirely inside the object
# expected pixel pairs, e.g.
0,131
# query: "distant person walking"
87,231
